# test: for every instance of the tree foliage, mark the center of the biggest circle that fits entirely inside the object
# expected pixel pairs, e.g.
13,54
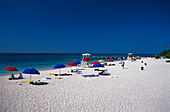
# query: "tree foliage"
165,53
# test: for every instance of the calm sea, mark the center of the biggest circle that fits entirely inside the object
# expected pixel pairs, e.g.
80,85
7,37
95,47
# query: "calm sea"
45,61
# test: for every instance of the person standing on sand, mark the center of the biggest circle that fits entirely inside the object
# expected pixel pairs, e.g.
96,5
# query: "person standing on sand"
123,64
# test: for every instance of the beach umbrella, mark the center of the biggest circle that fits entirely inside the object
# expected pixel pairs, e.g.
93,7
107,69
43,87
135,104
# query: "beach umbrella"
114,59
98,65
58,66
31,71
101,60
95,63
71,64
76,62
110,60
133,58
10,69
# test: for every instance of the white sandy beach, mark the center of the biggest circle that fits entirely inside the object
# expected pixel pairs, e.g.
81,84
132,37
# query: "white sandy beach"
133,90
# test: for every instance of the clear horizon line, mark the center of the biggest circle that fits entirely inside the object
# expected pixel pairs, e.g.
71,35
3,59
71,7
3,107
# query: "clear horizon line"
73,53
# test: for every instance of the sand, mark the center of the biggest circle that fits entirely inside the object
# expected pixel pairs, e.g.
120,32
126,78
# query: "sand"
133,90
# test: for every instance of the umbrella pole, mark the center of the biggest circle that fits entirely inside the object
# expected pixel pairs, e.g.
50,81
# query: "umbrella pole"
59,72
30,76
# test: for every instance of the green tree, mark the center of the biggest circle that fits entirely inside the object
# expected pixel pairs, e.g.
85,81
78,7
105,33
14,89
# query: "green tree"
165,53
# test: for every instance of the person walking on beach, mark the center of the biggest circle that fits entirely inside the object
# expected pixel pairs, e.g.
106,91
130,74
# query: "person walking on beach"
123,64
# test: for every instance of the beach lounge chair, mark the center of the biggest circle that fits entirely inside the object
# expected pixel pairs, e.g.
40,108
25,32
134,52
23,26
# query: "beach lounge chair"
104,72
76,71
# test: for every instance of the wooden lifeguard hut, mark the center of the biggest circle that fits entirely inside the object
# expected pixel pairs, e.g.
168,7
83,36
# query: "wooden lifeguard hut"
85,60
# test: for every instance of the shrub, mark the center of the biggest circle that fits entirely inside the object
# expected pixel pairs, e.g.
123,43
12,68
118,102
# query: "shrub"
157,56
165,53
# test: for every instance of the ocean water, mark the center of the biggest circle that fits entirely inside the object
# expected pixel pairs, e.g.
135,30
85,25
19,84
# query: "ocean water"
45,61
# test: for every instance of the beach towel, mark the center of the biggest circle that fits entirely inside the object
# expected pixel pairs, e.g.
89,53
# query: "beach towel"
90,76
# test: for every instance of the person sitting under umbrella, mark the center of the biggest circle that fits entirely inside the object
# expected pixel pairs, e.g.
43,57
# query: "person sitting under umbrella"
12,77
20,76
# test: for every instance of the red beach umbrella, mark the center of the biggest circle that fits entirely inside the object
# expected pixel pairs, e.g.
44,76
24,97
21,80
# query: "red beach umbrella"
10,69
110,60
71,64
95,63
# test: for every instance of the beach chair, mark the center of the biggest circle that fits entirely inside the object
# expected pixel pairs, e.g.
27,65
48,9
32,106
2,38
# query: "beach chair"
76,71
104,72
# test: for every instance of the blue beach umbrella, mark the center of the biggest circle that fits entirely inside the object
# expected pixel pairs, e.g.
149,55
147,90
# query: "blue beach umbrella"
98,65
31,71
114,59
76,62
58,66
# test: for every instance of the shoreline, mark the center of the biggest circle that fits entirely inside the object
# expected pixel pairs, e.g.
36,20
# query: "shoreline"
50,68
39,69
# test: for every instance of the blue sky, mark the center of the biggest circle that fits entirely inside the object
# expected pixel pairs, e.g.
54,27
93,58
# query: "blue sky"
75,26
